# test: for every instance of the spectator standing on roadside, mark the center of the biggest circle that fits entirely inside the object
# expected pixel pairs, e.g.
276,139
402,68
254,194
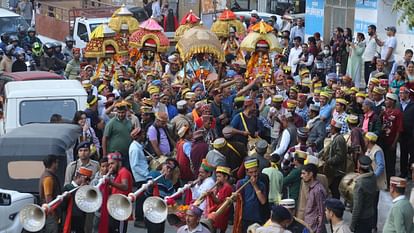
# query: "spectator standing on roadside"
388,48
371,52
26,10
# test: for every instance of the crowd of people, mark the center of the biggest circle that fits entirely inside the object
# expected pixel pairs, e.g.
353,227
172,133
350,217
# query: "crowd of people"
331,109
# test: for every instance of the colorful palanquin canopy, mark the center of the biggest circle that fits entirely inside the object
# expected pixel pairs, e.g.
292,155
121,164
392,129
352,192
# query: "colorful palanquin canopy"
104,42
199,40
226,20
123,19
260,32
150,30
188,21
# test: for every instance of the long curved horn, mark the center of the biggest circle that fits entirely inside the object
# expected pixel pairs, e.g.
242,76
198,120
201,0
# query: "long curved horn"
33,217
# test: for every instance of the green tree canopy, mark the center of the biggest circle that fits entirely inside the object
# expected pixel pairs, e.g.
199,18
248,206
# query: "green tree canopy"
406,8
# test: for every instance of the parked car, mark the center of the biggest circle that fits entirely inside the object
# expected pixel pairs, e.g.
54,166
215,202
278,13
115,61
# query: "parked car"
11,202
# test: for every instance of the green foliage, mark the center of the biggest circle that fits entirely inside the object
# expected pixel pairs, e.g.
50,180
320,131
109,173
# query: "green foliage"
406,8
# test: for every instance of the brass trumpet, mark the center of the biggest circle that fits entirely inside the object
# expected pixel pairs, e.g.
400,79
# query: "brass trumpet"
33,217
156,209
89,198
120,206
204,195
226,204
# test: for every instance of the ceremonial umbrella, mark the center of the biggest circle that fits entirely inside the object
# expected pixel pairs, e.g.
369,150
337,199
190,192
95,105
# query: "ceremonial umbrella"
260,31
150,29
122,19
199,40
226,20
188,21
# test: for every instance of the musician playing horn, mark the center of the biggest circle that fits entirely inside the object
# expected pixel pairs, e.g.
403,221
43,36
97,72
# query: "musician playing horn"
49,188
253,197
74,219
162,188
218,195
192,220
121,184
205,183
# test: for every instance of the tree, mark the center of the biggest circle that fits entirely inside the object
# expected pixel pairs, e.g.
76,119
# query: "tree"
406,8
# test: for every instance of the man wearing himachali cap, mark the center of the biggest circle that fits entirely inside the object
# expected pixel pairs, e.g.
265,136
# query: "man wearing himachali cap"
192,220
336,158
400,218
205,183
253,196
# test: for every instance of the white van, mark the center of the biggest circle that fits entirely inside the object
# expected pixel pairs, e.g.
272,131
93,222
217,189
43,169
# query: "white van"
28,102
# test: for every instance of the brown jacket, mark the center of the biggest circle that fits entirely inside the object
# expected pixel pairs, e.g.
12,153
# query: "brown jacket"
56,186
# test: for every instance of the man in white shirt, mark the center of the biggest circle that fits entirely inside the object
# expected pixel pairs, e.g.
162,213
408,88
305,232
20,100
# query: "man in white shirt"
388,48
371,51
298,30
205,183
294,54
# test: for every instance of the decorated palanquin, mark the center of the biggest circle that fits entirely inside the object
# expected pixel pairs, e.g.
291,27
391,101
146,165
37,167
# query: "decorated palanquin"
260,42
188,21
146,45
106,45
229,30
196,43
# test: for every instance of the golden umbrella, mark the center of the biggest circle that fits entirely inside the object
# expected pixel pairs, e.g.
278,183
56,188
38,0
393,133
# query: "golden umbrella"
199,40
260,31
122,19
226,20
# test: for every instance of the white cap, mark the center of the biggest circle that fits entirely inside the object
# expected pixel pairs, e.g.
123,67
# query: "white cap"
287,203
392,96
181,104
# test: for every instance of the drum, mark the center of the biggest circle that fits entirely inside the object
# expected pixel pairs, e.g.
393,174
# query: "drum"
156,162
347,185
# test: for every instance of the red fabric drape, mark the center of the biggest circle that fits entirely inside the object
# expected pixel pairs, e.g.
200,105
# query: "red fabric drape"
104,221
68,219
238,214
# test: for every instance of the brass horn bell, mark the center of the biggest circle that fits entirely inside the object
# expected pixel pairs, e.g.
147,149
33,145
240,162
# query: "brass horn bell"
155,209
32,218
88,199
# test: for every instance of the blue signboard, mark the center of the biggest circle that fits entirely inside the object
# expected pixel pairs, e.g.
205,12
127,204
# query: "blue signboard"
314,16
362,26
367,4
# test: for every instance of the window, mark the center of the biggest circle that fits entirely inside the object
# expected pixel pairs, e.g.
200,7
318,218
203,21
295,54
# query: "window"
18,169
9,24
82,32
40,111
